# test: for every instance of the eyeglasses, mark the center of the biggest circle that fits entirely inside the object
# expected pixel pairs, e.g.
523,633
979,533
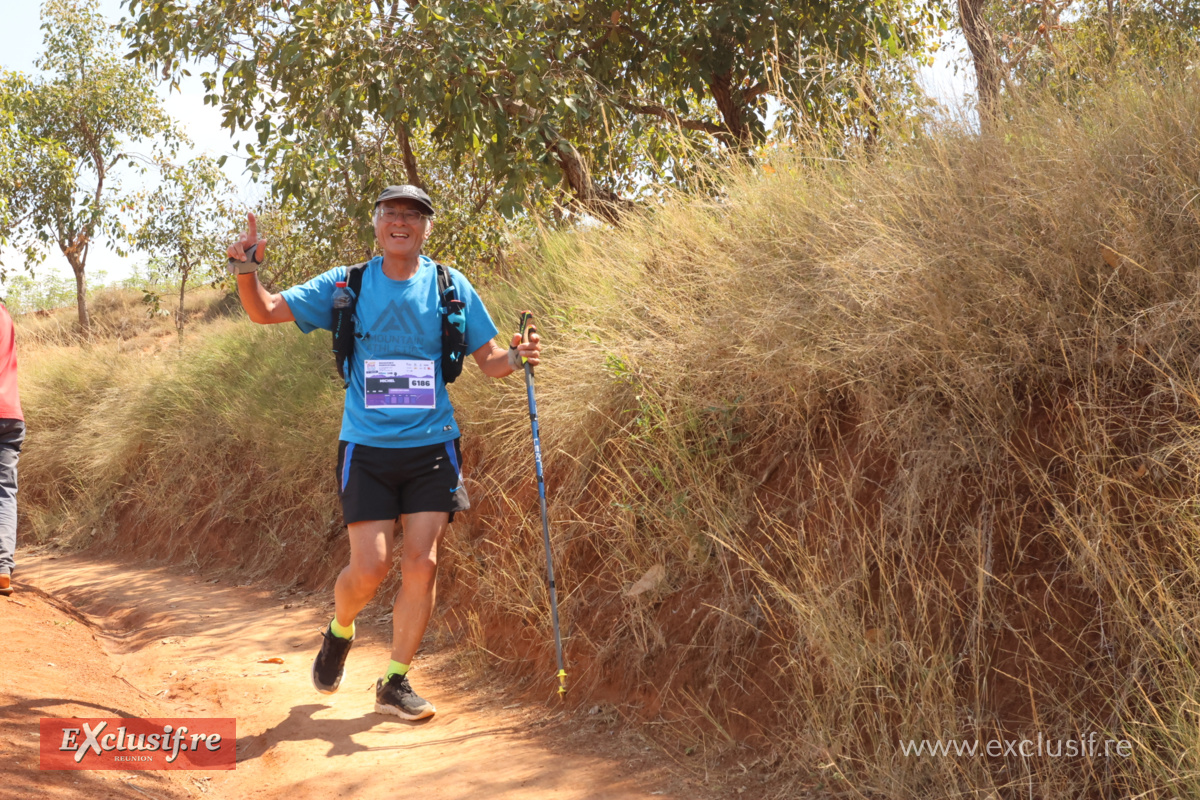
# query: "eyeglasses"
407,215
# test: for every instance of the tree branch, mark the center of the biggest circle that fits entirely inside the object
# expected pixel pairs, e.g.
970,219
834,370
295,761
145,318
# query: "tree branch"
410,160
669,115
753,93
599,202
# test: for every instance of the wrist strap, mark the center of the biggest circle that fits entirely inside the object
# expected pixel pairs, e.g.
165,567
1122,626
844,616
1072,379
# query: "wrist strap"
247,266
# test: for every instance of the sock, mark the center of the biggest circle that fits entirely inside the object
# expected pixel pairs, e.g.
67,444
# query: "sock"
340,632
395,668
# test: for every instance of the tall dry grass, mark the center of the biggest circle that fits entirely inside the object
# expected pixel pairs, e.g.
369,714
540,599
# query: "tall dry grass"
912,434
870,449
201,450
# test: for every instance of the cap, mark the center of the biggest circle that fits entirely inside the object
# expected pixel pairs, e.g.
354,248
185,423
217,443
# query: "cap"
407,192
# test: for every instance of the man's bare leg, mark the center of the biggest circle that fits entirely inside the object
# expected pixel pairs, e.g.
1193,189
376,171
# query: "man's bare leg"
414,603
423,533
370,562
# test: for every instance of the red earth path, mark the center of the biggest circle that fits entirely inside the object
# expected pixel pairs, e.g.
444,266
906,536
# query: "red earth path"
89,638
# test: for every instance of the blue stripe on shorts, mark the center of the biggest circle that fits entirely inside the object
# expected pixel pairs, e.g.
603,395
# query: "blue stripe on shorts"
453,462
346,465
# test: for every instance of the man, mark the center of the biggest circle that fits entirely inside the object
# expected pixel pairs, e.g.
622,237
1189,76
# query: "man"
12,434
397,460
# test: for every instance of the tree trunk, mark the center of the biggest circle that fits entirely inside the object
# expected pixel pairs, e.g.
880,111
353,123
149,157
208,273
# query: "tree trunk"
732,112
183,276
77,266
602,203
871,114
982,43
410,160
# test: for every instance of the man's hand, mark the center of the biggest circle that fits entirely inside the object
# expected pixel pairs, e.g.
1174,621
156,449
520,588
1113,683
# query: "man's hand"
237,250
261,306
530,350
496,362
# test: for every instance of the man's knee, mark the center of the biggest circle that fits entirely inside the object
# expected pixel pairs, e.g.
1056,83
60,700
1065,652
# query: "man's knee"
368,574
419,569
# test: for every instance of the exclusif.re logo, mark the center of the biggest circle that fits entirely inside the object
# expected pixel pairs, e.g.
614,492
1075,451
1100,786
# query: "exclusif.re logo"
138,743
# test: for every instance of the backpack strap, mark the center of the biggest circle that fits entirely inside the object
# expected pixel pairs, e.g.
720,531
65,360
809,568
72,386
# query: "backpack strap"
454,325
343,323
444,282
354,277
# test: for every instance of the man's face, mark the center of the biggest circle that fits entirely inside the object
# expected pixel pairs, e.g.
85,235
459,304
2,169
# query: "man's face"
401,237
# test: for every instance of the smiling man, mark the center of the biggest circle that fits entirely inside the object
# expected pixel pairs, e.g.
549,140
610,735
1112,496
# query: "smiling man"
399,456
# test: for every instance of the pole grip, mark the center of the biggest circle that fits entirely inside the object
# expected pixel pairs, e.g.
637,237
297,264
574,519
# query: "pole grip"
525,327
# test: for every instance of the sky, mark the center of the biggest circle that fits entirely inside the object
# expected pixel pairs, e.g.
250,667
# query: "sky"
21,43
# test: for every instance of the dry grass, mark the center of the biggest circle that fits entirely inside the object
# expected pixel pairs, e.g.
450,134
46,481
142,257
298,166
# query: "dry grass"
936,410
200,450
913,436
122,315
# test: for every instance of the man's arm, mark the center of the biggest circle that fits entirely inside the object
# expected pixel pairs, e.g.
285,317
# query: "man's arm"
262,306
494,360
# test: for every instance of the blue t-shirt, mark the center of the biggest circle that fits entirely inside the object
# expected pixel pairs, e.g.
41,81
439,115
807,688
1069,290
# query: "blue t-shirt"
393,320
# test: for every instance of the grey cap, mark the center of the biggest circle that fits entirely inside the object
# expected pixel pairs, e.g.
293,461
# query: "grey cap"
407,192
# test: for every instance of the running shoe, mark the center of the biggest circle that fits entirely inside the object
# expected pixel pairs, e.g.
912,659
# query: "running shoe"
330,664
396,696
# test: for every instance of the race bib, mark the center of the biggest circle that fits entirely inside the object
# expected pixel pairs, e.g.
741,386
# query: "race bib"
399,384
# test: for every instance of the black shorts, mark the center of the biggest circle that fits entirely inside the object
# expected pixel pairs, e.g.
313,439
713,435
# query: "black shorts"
377,483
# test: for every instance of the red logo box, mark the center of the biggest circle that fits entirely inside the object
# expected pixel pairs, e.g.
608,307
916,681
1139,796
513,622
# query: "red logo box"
138,743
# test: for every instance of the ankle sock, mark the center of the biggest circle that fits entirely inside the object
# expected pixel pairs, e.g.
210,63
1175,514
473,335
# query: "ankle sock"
340,632
395,668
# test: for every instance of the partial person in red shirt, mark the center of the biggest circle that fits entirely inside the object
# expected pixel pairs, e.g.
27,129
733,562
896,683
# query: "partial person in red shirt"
12,435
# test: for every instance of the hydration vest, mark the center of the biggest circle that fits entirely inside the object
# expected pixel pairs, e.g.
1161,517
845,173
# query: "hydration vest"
454,324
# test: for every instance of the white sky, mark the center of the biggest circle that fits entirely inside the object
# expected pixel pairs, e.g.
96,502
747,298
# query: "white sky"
21,43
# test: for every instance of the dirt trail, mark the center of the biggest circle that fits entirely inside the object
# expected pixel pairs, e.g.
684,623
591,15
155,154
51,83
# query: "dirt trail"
94,638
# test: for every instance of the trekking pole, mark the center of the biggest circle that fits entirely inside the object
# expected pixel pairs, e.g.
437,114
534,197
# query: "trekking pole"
527,327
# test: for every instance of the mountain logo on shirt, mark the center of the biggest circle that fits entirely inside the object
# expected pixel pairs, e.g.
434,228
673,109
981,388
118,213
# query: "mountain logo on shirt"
397,318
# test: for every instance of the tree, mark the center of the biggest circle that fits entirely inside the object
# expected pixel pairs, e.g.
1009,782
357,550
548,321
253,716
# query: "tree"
1084,41
8,147
542,93
710,66
72,128
186,222
330,208
23,294
1068,44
